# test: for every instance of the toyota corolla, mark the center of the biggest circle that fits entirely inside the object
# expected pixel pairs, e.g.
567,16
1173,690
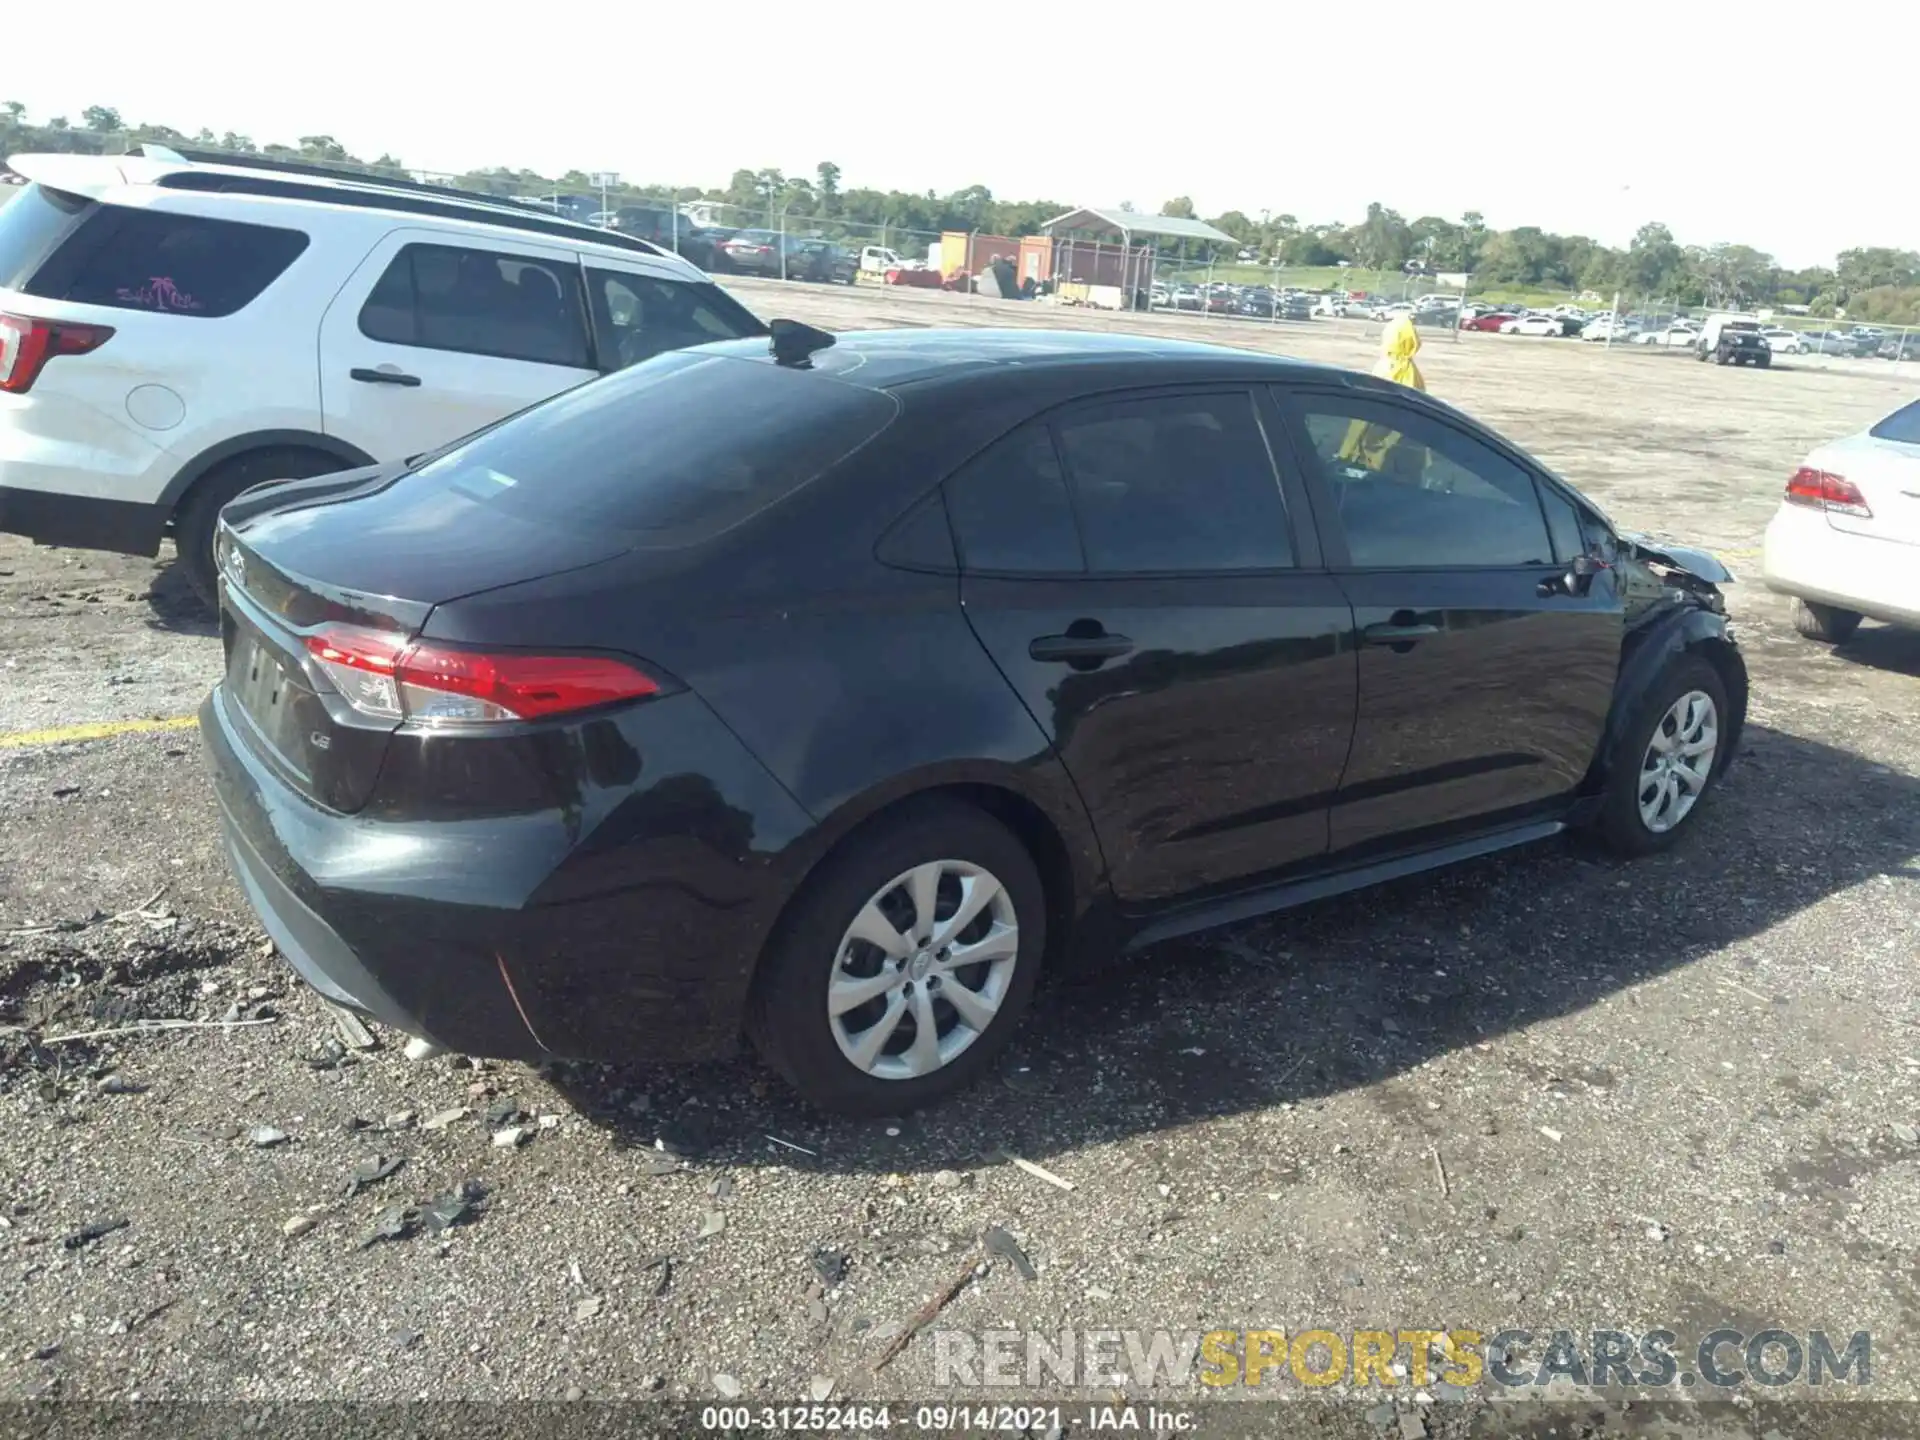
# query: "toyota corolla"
832,691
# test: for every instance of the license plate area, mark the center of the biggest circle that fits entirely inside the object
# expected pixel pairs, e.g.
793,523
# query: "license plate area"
272,695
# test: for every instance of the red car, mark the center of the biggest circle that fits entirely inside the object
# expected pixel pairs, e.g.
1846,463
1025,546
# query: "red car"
1493,320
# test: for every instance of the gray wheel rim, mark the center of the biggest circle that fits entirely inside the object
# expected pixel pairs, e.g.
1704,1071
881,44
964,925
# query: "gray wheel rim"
923,969
1679,761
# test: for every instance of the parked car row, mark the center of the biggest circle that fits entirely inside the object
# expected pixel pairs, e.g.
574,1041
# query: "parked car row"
1248,301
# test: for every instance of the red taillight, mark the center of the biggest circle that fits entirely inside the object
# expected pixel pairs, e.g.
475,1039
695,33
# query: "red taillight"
1819,490
26,345
385,676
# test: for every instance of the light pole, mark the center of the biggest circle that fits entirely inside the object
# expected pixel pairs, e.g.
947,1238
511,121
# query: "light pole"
604,180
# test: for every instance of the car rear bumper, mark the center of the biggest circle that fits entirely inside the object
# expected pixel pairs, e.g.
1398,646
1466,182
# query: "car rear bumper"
620,925
1806,557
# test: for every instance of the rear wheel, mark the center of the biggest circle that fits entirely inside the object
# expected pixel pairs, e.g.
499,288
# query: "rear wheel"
1828,623
195,520
1668,759
905,965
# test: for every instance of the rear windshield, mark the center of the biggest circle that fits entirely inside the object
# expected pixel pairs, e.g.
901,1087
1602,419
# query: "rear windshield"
32,225
159,260
670,452
1902,425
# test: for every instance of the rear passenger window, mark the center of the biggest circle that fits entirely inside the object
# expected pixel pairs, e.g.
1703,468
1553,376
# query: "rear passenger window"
640,316
166,262
1175,483
477,302
1010,511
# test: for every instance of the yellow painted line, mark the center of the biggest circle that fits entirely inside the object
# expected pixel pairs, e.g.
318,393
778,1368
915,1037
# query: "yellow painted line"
102,730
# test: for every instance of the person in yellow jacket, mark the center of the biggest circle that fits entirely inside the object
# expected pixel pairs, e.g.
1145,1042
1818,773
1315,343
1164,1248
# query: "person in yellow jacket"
1370,445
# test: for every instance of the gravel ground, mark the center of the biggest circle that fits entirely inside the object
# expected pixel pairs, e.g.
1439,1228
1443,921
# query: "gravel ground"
1542,1090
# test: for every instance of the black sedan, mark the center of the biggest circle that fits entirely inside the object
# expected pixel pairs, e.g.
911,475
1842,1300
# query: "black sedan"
834,691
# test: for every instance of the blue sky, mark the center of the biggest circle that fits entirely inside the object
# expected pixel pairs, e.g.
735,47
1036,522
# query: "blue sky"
1727,123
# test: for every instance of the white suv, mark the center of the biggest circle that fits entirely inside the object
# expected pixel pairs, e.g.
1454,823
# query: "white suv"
174,331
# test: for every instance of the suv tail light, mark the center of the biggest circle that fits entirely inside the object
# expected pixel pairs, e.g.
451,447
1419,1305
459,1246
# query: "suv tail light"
389,677
26,345
1819,490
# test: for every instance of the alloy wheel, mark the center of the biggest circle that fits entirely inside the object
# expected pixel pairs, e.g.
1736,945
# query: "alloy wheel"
922,970
1679,761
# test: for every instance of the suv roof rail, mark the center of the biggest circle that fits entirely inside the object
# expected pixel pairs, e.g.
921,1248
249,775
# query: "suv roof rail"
374,190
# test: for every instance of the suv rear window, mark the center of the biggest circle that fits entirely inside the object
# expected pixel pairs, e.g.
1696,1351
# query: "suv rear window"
138,259
670,452
32,225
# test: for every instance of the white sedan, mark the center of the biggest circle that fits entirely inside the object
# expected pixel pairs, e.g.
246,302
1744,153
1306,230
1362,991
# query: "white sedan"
1674,335
1607,328
1533,325
1845,542
1782,341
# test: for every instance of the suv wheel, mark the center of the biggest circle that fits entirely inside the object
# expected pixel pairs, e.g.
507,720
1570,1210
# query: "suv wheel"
905,965
1668,761
195,520
1828,623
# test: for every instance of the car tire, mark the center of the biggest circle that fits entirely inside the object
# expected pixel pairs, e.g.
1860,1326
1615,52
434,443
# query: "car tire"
1640,812
1828,624
874,875
194,521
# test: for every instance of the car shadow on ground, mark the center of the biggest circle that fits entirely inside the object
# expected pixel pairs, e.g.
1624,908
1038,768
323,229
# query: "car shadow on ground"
1339,995
1883,647
177,607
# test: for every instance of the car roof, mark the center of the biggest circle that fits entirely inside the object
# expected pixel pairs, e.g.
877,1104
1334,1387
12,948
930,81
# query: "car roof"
885,359
271,183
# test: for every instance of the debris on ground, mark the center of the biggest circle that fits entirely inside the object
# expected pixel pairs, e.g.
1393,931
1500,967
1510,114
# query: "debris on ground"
418,1049
298,1226
664,1281
588,1308
456,1207
820,1387
925,1315
265,1137
712,1224
396,1222
830,1266
511,1137
371,1171
1038,1172
443,1118
120,1085
351,1028
947,1180
728,1387
999,1242
93,1230
505,1111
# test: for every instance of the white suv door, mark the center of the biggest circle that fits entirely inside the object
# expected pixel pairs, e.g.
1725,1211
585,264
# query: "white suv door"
436,335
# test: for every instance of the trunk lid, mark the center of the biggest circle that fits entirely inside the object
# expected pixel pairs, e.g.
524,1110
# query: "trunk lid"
1887,474
384,554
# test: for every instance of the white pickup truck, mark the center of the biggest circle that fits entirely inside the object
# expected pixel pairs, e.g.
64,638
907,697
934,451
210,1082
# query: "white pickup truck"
878,259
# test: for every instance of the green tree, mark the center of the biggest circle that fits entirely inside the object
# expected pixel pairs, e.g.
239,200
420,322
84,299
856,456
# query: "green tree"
101,120
827,180
1382,241
1877,266
1178,208
1237,225
1654,263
